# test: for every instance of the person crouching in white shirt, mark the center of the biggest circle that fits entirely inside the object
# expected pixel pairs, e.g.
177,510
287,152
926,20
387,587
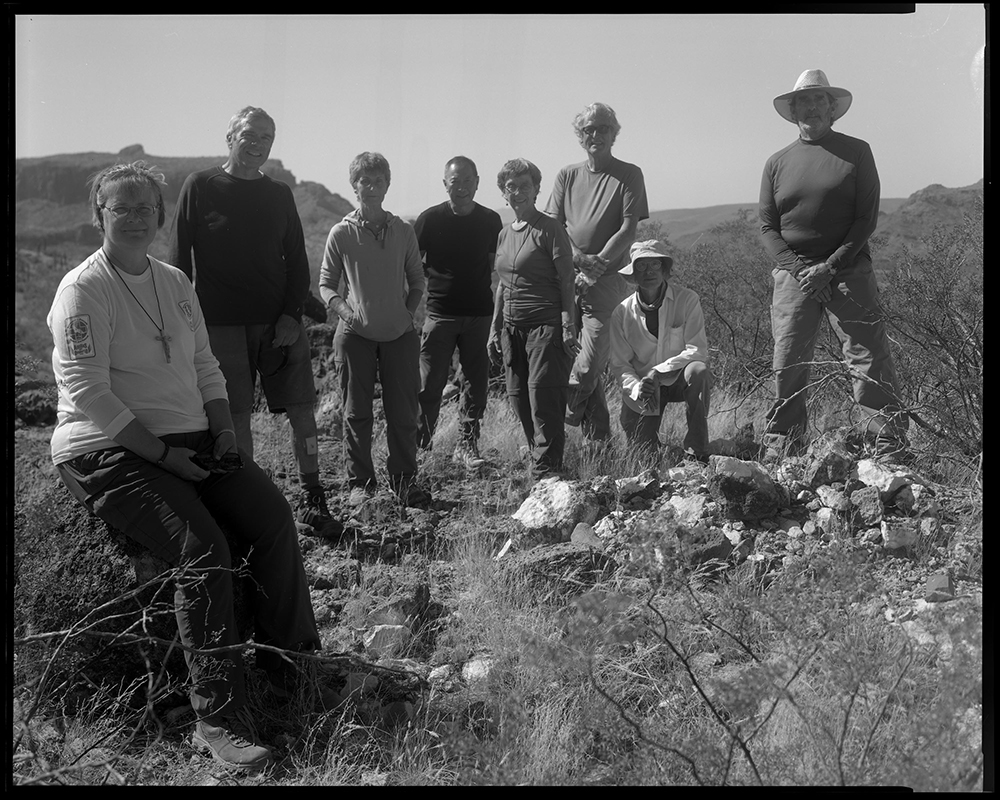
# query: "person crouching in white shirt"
659,352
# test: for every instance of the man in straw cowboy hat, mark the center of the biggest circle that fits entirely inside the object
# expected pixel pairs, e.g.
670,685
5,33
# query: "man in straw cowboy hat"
819,201
659,351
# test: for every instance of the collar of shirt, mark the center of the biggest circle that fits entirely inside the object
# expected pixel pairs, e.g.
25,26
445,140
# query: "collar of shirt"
656,303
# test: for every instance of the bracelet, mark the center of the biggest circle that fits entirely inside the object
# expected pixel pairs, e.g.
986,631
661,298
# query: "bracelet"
166,452
224,430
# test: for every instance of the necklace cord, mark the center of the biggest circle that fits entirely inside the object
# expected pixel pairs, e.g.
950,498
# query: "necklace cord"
163,338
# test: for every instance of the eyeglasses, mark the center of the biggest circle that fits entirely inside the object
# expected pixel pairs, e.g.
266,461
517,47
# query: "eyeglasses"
647,264
518,188
590,130
120,212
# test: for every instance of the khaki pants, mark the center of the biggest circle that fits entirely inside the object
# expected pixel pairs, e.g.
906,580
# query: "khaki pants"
587,405
854,313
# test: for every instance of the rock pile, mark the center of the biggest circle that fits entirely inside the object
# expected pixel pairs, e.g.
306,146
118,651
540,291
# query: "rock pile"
378,592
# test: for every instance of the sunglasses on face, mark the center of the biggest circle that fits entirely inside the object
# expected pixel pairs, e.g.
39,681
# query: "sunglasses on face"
590,130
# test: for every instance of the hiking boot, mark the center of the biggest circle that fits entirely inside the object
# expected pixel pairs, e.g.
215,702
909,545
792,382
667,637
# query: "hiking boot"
691,455
231,740
413,496
314,517
467,454
893,451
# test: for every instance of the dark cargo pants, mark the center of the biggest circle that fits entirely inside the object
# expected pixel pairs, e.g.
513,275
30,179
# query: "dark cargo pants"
397,364
441,335
179,521
694,389
537,375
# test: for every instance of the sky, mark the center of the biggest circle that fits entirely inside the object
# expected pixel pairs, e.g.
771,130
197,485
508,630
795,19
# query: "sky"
693,92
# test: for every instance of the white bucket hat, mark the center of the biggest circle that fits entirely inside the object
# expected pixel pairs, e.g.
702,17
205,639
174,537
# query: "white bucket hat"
813,79
650,248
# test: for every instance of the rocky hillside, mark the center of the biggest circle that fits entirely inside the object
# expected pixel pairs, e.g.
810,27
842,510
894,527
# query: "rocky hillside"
902,221
51,198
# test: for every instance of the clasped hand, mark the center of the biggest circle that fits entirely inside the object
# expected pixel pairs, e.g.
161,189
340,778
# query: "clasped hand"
815,281
181,460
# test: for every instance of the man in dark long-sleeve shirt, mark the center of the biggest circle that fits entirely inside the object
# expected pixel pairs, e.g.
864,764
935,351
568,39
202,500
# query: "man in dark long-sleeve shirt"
237,234
818,206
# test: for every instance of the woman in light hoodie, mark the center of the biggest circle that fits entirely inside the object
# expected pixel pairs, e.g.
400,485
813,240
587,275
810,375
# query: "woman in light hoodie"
376,254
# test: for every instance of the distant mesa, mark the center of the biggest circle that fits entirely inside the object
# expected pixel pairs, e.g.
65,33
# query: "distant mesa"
51,203
51,196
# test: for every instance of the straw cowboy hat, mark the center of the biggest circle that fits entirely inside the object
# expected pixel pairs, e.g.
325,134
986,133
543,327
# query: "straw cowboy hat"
813,79
651,248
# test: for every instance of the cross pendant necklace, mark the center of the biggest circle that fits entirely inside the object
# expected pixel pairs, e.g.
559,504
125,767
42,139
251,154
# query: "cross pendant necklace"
163,338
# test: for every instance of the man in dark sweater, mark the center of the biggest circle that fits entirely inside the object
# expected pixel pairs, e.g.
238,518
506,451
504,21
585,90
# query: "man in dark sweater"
237,234
458,240
819,201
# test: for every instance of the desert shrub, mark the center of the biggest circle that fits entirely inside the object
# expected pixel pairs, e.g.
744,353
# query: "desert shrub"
732,275
934,301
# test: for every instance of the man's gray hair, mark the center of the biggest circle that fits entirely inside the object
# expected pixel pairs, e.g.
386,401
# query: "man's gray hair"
243,116
597,110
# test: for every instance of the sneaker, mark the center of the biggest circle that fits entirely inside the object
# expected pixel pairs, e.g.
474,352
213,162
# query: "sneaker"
231,740
467,454
314,516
